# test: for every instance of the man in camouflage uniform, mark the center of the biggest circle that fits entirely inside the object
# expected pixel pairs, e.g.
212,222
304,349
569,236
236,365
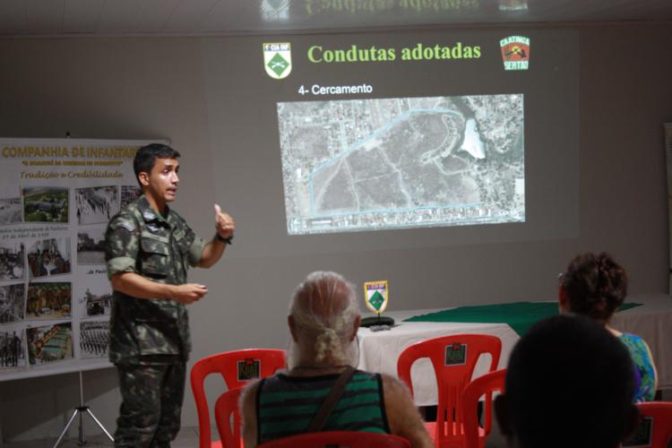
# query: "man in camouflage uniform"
149,249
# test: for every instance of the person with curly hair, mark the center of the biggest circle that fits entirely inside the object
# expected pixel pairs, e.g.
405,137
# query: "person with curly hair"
595,285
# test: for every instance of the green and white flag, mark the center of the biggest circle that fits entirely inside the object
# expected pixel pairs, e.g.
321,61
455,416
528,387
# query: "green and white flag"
376,295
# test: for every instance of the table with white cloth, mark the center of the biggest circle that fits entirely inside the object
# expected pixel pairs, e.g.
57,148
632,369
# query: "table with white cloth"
379,351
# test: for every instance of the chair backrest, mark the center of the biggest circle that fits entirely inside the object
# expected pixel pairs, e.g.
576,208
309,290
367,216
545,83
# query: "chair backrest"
334,439
454,359
237,368
655,428
227,416
482,386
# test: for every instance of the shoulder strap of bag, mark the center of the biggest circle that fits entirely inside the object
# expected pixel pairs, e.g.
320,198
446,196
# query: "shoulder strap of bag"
330,401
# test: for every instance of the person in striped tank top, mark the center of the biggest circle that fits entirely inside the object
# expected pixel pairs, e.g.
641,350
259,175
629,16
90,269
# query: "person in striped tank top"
323,322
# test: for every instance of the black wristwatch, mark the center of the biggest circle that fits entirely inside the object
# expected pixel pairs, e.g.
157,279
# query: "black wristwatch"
228,240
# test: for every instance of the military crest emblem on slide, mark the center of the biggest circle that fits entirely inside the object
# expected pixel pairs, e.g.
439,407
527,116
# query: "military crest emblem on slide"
515,52
376,295
278,59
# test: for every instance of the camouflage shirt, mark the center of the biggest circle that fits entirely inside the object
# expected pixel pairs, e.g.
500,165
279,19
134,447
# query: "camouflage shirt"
161,249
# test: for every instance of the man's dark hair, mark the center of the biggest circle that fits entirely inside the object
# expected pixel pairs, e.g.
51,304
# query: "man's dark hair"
570,382
146,156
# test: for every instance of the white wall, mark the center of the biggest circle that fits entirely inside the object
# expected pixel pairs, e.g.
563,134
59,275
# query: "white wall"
154,87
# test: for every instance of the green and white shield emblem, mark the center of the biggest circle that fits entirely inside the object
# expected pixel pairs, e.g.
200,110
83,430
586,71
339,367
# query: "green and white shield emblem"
376,296
278,59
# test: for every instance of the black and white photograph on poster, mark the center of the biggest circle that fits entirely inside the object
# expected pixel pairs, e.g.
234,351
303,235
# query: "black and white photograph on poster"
12,348
94,338
12,303
49,300
94,298
12,260
96,205
49,343
45,204
91,246
10,211
129,193
50,257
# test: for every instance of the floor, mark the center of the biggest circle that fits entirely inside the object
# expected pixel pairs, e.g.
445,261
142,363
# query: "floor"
187,438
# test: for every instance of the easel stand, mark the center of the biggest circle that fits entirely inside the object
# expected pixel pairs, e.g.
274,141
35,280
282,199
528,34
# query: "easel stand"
81,410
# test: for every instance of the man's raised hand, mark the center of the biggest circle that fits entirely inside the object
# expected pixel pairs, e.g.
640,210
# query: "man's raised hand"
224,224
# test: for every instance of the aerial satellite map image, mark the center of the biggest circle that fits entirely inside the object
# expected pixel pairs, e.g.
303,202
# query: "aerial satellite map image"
372,164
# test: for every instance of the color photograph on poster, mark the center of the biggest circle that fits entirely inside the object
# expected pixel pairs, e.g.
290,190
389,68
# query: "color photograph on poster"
49,343
45,204
49,257
48,301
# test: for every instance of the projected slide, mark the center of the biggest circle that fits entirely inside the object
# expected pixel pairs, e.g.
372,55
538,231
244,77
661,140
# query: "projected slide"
402,162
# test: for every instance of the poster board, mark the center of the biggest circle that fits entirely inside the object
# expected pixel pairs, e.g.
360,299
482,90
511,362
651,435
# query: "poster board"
56,197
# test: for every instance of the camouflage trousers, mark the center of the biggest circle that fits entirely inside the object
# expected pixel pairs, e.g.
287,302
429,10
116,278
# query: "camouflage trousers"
151,405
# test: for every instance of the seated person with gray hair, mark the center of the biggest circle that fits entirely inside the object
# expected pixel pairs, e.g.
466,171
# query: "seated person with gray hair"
323,322
569,383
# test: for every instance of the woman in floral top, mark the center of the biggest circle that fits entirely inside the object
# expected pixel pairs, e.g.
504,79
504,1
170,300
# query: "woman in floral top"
595,286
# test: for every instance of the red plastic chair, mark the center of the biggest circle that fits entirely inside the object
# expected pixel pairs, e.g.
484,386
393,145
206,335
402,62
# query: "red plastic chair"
237,368
454,358
334,439
474,434
660,415
227,416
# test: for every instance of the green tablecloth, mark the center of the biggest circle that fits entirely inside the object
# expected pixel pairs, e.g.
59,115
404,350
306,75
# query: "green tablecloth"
520,316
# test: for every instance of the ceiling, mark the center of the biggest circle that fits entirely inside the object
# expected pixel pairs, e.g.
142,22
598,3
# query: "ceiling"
237,17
